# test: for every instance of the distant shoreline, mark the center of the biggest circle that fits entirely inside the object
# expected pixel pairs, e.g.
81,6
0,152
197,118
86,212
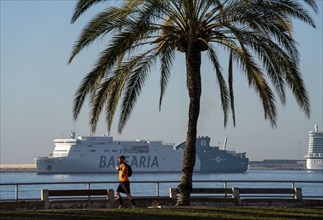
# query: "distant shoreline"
17,168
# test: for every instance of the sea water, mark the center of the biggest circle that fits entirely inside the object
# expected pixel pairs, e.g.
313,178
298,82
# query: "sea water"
153,183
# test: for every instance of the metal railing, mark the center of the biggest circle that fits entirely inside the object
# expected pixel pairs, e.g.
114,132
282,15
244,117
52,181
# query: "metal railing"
6,192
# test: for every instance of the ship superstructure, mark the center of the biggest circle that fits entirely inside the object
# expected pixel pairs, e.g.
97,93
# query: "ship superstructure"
314,157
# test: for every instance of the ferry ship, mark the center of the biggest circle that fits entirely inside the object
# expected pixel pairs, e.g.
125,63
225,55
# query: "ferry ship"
98,154
314,157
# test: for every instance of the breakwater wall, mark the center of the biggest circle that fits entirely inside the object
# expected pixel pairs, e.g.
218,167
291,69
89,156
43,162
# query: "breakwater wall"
17,168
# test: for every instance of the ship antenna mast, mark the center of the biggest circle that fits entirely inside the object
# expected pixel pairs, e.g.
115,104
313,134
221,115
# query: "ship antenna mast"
225,143
72,134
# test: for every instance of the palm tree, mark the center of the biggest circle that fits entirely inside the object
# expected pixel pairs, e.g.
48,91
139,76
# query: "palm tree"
256,35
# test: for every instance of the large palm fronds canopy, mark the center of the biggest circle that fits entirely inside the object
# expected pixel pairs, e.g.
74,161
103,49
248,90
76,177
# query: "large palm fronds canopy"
257,35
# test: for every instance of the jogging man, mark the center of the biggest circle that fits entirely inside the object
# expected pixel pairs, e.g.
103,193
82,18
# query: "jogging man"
124,186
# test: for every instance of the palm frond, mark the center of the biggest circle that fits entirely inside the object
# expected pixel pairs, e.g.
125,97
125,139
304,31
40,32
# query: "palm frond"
107,60
230,82
100,25
133,88
270,55
82,6
99,100
167,57
312,4
120,77
293,8
85,88
296,84
225,99
257,80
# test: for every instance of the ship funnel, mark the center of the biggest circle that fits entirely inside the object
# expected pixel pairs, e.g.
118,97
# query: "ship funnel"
225,143
316,128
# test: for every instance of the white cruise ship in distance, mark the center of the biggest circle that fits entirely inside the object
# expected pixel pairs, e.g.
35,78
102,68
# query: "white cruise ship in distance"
314,157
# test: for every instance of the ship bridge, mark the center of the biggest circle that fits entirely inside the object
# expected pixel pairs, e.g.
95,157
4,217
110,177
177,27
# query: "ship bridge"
62,147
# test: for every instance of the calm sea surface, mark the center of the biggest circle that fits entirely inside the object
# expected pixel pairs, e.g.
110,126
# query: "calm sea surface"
33,191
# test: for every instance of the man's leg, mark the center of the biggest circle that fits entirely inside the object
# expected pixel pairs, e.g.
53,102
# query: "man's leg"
127,191
132,200
119,198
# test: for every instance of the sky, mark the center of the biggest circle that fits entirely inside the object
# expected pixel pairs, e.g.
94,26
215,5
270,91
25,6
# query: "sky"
38,86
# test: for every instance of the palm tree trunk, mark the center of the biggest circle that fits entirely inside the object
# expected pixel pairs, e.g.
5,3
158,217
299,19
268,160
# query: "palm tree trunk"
193,64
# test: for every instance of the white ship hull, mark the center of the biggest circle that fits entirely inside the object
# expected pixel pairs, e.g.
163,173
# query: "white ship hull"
99,155
314,164
151,163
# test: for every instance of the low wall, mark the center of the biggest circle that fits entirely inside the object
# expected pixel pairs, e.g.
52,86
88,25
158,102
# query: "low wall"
153,201
21,205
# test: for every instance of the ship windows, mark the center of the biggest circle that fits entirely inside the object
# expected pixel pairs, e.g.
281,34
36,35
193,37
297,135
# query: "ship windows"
135,149
92,150
106,150
59,155
114,150
90,146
